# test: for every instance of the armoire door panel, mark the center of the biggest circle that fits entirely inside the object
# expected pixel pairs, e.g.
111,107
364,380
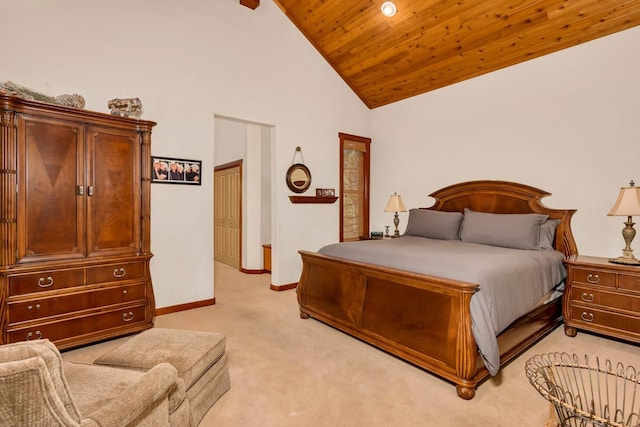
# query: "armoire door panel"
113,191
50,210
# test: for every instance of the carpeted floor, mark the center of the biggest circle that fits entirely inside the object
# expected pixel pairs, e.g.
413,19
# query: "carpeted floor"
286,371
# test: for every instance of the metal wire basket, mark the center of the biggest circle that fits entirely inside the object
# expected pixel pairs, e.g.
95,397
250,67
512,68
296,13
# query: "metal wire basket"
585,394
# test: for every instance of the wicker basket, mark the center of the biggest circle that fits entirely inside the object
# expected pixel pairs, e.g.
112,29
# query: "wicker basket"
585,394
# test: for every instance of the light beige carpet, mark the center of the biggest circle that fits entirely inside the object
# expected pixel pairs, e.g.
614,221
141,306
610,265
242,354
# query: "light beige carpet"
286,371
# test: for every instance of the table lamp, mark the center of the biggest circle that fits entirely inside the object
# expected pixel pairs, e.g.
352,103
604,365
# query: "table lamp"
628,204
395,205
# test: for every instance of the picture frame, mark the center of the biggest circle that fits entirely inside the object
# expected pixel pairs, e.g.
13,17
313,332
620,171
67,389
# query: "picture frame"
329,192
172,170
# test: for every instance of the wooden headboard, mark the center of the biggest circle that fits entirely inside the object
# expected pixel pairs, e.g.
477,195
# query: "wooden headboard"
506,198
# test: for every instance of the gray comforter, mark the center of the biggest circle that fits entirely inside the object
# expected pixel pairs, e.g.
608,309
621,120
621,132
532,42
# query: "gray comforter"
511,281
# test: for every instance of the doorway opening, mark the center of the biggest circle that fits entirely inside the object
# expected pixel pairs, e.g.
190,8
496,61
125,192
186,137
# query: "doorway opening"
248,145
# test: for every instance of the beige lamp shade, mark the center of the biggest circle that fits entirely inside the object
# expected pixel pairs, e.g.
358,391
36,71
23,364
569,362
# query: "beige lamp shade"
395,204
628,203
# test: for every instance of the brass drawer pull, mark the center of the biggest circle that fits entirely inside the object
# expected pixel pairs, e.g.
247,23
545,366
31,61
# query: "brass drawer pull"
587,297
42,284
127,317
587,317
30,336
37,306
119,273
593,278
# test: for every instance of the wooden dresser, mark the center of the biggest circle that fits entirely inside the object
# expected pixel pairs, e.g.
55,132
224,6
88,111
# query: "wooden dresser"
602,297
74,224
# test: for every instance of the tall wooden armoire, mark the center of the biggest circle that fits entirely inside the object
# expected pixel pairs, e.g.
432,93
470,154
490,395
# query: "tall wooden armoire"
74,224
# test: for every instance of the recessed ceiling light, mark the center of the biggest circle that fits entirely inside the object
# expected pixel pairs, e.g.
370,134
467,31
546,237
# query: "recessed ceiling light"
389,8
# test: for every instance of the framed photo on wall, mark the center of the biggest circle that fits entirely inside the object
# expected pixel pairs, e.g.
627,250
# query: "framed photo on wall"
169,170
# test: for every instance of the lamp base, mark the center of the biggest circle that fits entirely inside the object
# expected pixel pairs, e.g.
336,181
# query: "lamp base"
625,260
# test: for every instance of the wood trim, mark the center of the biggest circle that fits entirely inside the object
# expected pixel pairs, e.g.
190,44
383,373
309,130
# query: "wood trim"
367,173
229,165
256,271
284,287
187,306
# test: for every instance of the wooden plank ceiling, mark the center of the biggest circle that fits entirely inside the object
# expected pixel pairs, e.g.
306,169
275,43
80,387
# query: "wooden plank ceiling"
430,44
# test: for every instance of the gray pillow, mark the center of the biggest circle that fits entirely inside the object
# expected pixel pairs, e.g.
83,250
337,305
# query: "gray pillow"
547,233
517,231
434,224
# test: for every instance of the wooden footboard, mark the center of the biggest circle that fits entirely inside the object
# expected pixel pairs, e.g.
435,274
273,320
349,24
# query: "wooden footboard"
422,319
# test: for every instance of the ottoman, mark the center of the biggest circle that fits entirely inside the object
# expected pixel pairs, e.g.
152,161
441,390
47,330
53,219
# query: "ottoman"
199,357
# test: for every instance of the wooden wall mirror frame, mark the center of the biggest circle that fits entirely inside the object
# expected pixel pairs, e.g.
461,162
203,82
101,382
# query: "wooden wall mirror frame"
298,178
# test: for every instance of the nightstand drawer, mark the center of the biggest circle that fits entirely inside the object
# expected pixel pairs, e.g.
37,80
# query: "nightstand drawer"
594,277
590,297
629,283
596,319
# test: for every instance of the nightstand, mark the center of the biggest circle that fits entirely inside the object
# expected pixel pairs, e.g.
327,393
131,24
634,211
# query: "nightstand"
602,297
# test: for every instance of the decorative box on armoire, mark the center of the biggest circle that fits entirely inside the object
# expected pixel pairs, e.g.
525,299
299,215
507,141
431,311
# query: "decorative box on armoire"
74,224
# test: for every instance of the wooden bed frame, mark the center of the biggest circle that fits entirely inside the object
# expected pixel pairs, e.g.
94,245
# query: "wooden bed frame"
423,319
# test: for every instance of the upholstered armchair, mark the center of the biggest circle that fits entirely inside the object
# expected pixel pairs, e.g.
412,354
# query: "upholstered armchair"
34,391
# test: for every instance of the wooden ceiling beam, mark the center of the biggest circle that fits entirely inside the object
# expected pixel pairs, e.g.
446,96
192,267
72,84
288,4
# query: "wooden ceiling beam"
251,4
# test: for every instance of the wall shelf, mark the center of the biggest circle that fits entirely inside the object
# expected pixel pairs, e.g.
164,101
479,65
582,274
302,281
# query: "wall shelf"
312,199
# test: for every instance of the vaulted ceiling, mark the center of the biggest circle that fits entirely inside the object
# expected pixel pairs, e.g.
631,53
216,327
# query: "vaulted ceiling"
430,44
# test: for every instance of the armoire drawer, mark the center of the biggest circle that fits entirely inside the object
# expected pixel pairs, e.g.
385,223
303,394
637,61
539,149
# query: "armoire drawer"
78,326
604,299
115,272
37,308
22,284
595,318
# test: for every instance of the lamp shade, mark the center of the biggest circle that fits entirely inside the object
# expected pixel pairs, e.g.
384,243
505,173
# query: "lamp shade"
395,204
628,203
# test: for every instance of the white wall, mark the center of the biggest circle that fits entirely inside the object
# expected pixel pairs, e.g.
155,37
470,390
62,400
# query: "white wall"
187,61
567,123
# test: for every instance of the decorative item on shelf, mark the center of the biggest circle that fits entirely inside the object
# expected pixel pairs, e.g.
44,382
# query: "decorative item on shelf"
65,100
628,204
298,175
395,205
328,192
386,231
126,107
319,192
376,235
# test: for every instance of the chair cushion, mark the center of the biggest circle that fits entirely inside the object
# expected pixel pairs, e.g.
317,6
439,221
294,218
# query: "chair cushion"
190,352
51,356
